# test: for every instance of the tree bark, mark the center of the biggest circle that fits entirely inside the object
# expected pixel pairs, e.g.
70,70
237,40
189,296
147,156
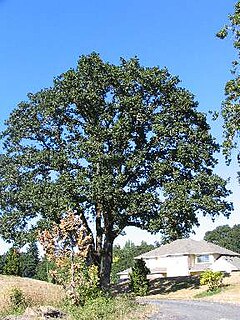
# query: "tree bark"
99,232
106,262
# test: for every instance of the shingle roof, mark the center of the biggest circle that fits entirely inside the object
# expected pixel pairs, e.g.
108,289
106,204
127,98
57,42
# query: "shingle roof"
187,246
235,261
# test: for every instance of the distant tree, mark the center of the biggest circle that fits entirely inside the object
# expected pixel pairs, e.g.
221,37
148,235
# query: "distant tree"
43,270
121,145
2,262
30,261
12,264
123,258
225,236
231,105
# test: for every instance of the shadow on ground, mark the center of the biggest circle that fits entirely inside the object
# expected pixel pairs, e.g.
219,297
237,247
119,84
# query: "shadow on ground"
163,285
173,284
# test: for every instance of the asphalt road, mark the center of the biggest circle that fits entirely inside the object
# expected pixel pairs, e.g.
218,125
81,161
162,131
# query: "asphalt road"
195,310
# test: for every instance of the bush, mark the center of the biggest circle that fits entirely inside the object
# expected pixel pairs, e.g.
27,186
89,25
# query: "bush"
106,308
87,287
18,301
213,279
139,283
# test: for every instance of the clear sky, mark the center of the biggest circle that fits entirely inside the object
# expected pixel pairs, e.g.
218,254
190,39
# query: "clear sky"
41,39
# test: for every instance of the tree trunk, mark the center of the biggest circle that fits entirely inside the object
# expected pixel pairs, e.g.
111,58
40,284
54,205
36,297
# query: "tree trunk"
106,262
99,233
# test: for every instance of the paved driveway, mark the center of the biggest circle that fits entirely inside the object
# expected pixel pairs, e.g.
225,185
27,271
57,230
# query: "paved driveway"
195,310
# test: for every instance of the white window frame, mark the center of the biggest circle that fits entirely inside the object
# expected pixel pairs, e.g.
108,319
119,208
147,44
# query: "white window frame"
205,260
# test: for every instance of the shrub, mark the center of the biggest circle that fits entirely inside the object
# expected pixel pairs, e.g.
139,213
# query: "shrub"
213,279
18,301
139,283
106,307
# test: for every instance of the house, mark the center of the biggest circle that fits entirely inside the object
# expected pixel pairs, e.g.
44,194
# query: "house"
184,257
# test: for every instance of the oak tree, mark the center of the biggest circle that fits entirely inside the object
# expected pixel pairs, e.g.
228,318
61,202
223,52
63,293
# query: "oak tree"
120,145
231,105
225,236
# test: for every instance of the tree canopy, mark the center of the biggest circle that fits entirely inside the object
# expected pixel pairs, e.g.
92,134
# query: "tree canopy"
231,105
121,145
225,236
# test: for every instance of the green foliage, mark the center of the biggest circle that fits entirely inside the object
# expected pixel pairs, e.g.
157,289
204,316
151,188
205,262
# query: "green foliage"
231,106
88,289
18,301
122,145
86,282
12,264
208,293
106,308
123,258
43,270
2,262
139,283
225,236
213,279
30,261
18,263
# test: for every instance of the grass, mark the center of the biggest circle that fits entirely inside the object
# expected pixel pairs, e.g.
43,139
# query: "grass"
207,293
121,307
35,292
32,292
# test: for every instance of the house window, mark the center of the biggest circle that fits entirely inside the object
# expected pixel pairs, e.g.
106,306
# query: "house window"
203,258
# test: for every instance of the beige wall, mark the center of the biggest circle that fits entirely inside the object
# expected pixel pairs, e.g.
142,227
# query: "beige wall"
175,265
222,265
178,266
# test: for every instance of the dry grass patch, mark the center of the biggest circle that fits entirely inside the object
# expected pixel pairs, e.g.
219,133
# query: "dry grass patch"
231,290
186,288
121,307
35,291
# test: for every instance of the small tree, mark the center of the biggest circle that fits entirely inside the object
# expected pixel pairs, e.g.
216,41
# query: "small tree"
68,245
213,279
123,258
12,264
139,283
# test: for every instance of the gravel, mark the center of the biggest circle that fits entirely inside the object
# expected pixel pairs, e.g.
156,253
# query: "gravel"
195,310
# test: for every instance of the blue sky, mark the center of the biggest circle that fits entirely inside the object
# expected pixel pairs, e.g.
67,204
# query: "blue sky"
41,39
